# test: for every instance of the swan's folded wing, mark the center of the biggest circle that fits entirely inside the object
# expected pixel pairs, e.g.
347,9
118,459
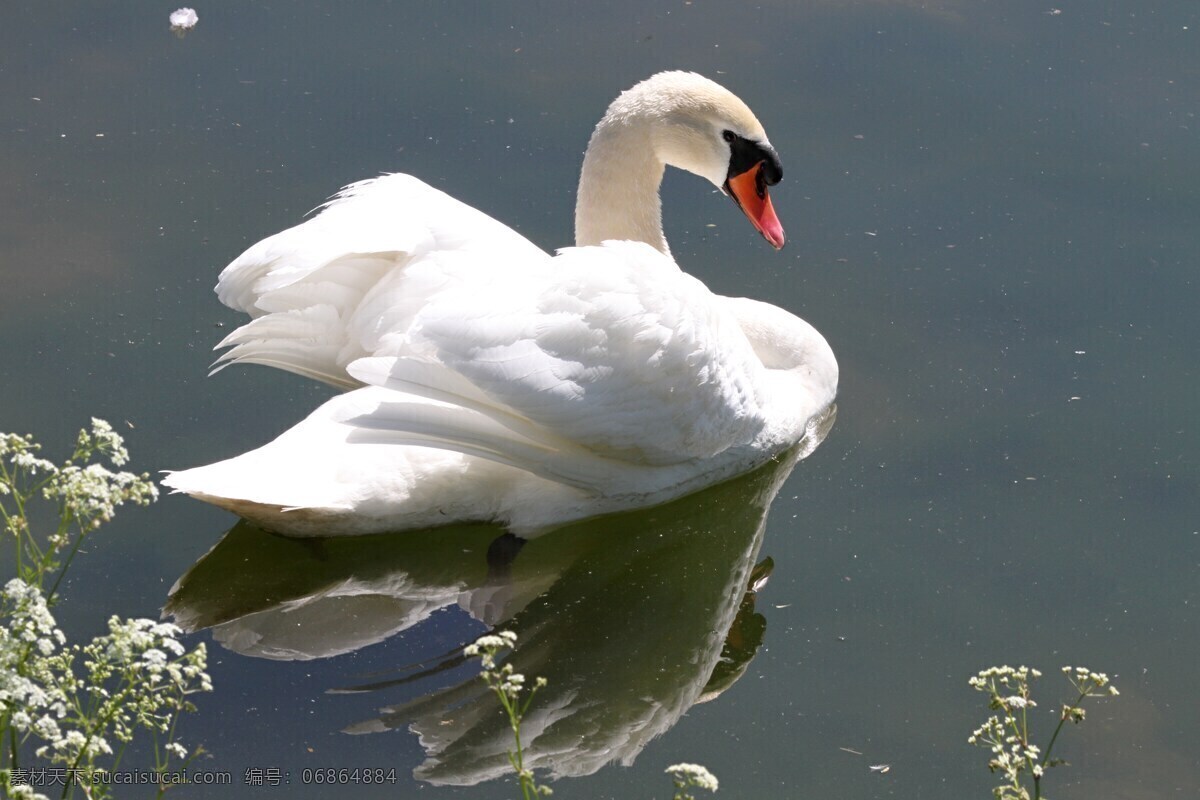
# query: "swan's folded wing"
610,348
318,291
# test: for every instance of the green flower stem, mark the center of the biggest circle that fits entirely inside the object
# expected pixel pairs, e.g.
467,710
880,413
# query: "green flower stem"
160,765
12,742
1037,781
517,758
1062,721
100,725
62,571
508,685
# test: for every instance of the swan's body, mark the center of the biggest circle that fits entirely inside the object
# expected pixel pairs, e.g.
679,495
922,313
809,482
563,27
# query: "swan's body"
501,383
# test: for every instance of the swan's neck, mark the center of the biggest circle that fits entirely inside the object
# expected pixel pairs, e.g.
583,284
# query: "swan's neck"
618,187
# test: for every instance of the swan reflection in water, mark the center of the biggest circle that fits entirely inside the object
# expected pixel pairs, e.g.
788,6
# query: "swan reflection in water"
632,618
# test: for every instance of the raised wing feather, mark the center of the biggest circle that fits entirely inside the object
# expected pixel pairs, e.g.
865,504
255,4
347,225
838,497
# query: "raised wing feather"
316,290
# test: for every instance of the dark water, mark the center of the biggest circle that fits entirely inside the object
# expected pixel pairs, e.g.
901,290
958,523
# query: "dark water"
992,217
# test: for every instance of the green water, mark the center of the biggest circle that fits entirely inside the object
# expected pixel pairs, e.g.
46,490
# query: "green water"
991,211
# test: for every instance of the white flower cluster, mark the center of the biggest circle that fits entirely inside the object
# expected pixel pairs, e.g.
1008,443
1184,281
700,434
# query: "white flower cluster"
153,672
1004,676
23,791
502,679
91,494
137,676
689,775
87,494
101,439
20,452
1090,684
507,685
1011,754
30,697
486,647
1007,736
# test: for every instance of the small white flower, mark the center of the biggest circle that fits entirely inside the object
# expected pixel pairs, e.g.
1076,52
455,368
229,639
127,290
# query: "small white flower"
174,645
491,641
154,658
47,728
27,460
24,791
693,775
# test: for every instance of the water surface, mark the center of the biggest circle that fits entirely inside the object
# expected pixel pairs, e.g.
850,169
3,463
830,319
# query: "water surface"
992,216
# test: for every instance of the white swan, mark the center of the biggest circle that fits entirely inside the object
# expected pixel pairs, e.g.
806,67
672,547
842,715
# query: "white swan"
500,383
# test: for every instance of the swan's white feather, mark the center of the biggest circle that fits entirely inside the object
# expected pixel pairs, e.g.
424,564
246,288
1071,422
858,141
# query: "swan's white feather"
343,270
499,382
610,347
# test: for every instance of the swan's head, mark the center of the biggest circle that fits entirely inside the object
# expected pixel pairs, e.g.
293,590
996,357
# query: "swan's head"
698,125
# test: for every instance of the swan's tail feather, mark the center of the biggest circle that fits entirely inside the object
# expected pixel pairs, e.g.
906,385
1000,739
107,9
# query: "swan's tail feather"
225,483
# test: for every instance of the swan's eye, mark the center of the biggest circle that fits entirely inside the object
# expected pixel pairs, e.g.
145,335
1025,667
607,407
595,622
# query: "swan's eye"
728,136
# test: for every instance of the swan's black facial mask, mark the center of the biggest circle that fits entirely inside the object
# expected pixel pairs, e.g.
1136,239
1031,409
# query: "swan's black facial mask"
753,167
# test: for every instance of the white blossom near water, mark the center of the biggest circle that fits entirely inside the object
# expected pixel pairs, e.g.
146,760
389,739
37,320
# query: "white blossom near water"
128,680
1007,734
508,684
687,776
486,647
87,494
75,704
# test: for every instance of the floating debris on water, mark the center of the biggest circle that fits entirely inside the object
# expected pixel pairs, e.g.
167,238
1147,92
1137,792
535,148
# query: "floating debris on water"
183,20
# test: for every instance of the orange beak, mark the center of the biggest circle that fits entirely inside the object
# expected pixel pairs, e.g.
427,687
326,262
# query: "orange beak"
749,191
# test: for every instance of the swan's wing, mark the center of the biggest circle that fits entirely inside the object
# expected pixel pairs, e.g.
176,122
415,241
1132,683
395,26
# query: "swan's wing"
611,350
332,289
